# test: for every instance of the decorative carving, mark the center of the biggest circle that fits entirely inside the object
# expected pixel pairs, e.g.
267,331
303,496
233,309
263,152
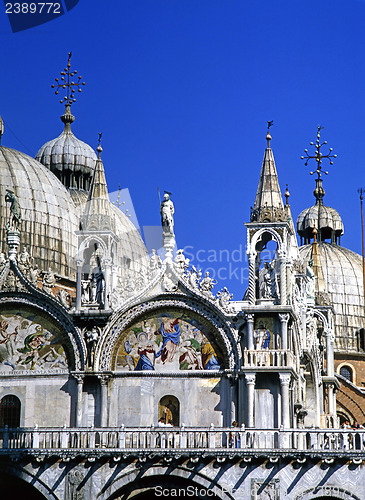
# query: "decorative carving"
206,285
323,299
311,328
299,266
223,299
73,488
155,263
49,281
169,284
64,297
194,276
181,263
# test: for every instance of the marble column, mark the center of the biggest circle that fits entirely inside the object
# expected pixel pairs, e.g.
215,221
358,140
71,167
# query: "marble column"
107,278
104,400
79,264
250,383
252,278
329,352
285,404
284,318
283,298
80,382
250,321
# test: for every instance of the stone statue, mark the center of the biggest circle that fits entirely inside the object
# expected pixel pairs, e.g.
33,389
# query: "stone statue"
167,211
194,276
49,281
207,284
181,262
267,282
155,262
91,338
15,214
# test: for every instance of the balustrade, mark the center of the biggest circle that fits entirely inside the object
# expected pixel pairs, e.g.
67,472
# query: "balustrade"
183,438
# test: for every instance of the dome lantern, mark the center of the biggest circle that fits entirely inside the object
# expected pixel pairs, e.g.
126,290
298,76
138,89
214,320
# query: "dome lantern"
326,220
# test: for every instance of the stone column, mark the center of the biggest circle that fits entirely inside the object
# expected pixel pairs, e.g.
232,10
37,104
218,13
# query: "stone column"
79,264
282,258
80,381
250,321
107,277
252,277
104,400
329,352
250,383
284,318
285,405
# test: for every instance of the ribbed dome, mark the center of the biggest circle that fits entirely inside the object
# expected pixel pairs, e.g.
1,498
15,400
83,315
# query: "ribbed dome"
49,219
71,160
342,272
326,220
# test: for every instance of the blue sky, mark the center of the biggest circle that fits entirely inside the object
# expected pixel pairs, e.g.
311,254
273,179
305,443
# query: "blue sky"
182,91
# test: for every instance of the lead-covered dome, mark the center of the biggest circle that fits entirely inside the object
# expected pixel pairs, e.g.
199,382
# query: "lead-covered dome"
343,276
326,220
70,159
48,214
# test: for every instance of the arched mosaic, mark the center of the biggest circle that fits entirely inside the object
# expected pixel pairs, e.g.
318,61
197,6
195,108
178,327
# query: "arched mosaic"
168,340
29,340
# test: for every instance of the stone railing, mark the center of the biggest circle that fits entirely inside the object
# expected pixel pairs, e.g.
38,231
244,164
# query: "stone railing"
187,439
268,358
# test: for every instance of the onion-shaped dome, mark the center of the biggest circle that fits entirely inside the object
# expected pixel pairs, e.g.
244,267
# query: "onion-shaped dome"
343,276
71,160
326,220
48,214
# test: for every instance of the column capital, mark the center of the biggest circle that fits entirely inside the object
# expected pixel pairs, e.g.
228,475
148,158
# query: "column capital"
284,378
79,262
250,378
249,318
79,377
284,317
104,378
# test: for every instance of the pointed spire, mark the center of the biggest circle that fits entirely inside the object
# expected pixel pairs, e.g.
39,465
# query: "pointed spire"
268,206
98,213
320,285
1,129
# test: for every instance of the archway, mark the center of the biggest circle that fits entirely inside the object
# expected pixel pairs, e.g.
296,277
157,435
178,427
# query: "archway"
14,487
10,411
169,410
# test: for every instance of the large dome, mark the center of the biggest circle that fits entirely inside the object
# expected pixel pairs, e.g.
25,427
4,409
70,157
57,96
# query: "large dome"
343,275
49,219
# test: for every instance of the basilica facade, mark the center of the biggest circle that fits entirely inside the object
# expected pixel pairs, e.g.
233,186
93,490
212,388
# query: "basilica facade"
133,375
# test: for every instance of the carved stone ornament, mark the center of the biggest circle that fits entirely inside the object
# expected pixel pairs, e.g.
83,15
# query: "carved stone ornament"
181,263
223,300
206,285
169,283
323,299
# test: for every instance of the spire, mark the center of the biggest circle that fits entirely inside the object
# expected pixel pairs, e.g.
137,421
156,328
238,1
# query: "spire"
98,213
268,205
70,86
1,129
317,265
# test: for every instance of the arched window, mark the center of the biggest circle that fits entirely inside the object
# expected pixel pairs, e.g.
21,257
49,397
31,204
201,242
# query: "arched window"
346,372
10,411
169,410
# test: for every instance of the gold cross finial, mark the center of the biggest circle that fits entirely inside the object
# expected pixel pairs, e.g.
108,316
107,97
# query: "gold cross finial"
318,156
66,82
